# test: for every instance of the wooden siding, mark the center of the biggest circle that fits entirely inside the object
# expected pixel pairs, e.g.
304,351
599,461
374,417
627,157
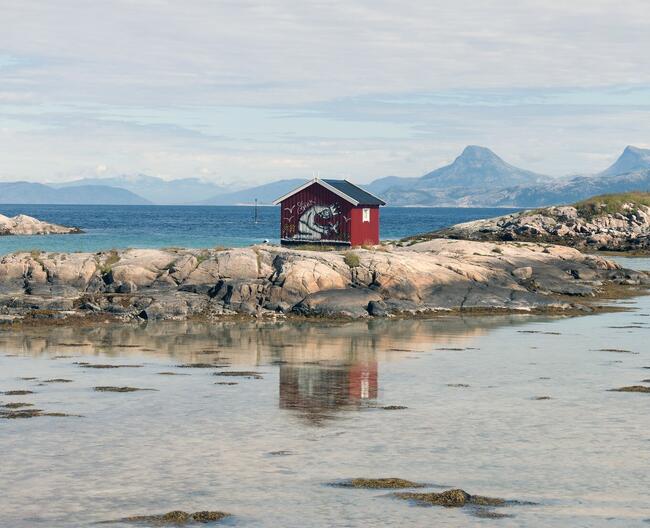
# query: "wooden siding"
365,232
316,214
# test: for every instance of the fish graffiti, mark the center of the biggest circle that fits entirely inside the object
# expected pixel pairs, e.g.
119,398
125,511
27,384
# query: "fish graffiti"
319,222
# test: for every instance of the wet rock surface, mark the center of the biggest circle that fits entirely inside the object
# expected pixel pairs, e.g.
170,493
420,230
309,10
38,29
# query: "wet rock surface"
175,518
433,276
454,498
378,483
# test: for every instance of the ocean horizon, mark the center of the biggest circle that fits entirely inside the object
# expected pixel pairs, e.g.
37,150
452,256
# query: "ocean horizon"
157,226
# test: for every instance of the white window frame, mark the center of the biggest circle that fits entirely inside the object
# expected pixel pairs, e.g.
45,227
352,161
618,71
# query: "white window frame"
365,215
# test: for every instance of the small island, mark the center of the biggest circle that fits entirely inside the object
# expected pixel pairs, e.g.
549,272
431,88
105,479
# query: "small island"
609,223
27,225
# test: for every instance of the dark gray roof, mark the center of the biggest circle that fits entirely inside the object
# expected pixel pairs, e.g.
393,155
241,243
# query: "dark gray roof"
355,192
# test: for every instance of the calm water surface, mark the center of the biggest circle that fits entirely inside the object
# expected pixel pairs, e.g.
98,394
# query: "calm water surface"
265,449
155,226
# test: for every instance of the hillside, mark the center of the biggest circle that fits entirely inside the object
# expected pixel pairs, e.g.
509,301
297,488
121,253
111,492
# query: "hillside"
474,173
613,222
265,194
479,178
37,193
156,190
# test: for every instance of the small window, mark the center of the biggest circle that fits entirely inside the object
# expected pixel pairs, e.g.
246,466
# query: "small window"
366,215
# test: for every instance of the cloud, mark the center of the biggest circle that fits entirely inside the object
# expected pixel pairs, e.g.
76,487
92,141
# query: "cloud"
360,88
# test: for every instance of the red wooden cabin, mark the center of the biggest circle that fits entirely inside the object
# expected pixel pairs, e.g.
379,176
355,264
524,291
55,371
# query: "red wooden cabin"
329,212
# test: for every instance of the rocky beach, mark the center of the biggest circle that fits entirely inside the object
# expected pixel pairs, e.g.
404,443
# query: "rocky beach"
435,276
612,223
27,225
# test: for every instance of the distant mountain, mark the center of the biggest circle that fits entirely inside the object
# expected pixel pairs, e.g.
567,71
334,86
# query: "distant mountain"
382,185
37,193
566,192
633,159
265,194
477,170
159,191
478,167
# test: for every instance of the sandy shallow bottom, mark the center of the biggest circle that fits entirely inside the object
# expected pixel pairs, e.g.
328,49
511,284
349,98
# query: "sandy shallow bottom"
308,412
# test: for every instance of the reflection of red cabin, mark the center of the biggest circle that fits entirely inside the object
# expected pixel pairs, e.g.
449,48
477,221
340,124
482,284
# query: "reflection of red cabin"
333,212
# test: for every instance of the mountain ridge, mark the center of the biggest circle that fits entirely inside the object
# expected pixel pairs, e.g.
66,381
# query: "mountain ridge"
476,178
22,192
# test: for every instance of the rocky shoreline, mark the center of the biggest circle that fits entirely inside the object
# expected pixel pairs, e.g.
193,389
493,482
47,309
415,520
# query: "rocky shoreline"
611,223
27,225
436,276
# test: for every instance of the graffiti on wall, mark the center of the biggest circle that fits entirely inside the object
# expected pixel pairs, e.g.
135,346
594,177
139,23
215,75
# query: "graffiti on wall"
319,222
311,220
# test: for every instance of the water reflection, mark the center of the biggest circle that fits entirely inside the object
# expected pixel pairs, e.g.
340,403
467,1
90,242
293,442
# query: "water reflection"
256,343
316,391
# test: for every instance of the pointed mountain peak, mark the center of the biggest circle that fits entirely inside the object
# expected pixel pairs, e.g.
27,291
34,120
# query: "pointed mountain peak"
632,159
475,152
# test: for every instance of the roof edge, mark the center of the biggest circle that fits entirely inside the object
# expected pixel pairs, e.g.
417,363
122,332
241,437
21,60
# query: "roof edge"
324,184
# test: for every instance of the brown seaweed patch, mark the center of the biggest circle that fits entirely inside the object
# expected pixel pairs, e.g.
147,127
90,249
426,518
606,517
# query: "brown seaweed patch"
171,374
632,388
394,407
17,392
31,413
17,405
28,378
458,385
202,365
540,398
175,518
107,388
537,332
74,344
616,350
378,483
57,380
241,373
226,383
453,498
485,513
103,365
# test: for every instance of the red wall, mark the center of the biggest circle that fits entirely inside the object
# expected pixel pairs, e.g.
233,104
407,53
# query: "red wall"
343,225
365,232
296,205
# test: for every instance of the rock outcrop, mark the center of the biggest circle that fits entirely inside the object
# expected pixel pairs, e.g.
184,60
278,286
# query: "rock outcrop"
27,225
607,223
434,276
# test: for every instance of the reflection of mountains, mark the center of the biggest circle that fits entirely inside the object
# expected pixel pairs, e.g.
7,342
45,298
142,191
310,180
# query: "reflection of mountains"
254,343
317,390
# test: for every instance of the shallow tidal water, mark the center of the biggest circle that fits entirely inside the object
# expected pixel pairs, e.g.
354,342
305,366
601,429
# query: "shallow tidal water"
266,448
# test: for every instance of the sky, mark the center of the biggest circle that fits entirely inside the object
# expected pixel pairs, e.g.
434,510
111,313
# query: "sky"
244,92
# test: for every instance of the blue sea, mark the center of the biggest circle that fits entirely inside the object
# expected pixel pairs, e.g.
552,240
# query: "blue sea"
114,227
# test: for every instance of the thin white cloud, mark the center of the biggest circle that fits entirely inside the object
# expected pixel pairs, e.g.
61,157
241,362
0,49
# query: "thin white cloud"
258,90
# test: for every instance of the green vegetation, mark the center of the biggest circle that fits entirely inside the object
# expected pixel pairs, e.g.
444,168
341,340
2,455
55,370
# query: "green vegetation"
611,203
315,247
351,259
112,259
202,257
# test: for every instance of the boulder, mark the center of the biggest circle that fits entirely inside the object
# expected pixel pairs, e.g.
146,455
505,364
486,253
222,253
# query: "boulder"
338,303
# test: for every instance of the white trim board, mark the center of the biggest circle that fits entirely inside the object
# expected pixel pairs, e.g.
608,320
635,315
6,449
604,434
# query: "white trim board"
324,184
